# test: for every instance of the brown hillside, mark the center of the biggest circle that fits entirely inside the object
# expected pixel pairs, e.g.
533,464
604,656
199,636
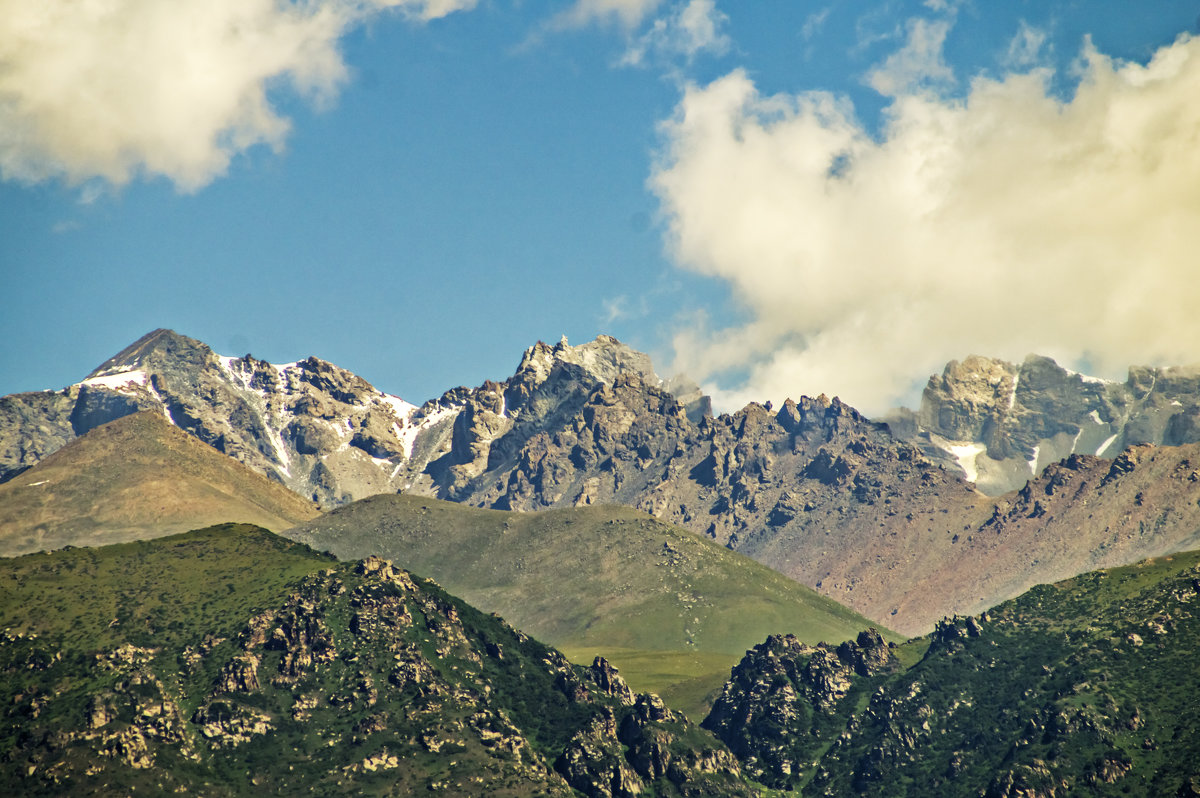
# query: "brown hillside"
136,478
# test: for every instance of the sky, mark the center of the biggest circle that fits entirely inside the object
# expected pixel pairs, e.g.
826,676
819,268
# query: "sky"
776,198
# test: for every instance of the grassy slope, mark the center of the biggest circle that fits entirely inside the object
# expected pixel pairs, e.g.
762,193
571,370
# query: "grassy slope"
136,478
672,610
151,592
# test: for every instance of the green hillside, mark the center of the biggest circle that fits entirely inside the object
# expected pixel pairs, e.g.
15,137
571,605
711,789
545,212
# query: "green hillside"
1084,687
673,610
231,662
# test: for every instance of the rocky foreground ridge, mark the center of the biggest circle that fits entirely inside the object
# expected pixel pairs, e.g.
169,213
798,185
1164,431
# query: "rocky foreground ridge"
1084,687
349,680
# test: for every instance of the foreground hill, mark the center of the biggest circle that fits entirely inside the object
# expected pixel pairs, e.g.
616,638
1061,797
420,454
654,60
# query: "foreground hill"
1084,687
231,662
673,610
135,478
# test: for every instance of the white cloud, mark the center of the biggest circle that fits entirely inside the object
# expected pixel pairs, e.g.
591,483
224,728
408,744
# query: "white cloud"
692,28
815,22
614,309
628,13
1026,49
118,89
1003,222
918,63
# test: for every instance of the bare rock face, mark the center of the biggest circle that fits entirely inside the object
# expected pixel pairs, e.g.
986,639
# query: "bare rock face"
1002,423
608,681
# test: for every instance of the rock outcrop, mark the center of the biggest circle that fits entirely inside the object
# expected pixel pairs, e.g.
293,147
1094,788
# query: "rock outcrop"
785,701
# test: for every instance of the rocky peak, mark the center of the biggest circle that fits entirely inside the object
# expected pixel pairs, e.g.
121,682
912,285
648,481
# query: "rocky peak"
604,359
774,710
155,349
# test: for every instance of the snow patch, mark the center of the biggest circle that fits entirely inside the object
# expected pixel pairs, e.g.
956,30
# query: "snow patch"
964,452
403,409
1012,397
35,484
1095,416
1033,460
1104,446
408,435
1087,378
116,382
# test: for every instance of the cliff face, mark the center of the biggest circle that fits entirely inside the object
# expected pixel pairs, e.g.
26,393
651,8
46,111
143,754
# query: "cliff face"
1003,423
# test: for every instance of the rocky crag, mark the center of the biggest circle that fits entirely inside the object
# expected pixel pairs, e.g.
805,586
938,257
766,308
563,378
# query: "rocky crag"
786,702
1002,423
347,680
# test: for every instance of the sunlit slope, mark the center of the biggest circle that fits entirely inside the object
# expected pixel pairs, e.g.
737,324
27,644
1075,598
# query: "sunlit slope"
136,478
591,580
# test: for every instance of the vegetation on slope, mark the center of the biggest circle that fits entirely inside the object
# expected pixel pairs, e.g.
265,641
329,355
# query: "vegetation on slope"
674,611
231,662
1086,686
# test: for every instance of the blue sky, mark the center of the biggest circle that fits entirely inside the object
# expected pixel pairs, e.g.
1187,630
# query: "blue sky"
780,198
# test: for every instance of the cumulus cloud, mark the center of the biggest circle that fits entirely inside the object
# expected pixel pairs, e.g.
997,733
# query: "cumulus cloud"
116,89
692,28
1002,222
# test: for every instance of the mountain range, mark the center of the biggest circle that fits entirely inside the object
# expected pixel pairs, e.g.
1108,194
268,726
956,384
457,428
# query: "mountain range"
877,515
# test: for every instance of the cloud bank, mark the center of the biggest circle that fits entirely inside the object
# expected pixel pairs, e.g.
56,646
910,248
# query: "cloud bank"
117,89
1001,222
